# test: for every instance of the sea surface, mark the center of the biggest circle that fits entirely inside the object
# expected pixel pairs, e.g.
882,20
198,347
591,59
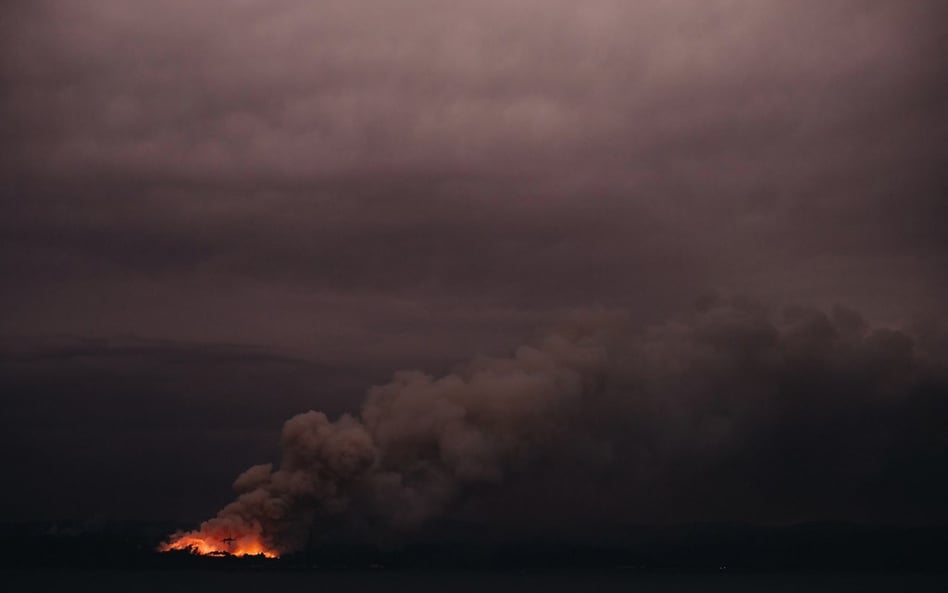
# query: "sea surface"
462,582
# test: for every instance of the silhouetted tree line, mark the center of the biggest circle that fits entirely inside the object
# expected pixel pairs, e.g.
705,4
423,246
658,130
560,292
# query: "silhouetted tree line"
691,548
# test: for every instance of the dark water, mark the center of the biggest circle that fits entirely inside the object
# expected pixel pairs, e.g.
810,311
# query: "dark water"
258,582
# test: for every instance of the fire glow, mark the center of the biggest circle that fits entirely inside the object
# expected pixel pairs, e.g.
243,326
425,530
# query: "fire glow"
201,545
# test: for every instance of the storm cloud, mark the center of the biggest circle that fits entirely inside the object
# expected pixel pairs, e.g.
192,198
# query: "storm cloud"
490,157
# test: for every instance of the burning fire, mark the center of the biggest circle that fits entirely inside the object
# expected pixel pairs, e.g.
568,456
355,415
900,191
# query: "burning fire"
203,545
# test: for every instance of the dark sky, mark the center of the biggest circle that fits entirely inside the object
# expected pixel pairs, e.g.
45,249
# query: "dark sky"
219,214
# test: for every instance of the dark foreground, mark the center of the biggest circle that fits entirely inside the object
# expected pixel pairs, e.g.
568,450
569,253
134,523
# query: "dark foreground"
424,582
698,548
460,557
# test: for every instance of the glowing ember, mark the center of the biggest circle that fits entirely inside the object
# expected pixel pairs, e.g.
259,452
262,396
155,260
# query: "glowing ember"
205,545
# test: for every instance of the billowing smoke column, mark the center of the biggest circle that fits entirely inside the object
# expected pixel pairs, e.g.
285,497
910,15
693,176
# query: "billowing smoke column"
731,407
418,442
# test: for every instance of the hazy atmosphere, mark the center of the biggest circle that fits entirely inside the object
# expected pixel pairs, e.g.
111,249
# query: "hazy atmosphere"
543,265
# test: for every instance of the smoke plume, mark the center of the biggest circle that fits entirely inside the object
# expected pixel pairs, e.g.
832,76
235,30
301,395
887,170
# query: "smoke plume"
733,411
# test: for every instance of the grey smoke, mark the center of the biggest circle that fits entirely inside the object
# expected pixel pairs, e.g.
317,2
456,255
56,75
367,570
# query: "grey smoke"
731,411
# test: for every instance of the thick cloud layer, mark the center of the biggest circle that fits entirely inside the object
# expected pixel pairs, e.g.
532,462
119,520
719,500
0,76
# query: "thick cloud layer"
732,413
176,169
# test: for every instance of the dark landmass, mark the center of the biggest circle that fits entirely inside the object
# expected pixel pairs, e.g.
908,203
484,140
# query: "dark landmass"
677,549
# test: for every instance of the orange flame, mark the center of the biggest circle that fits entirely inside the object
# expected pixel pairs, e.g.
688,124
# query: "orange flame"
204,545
